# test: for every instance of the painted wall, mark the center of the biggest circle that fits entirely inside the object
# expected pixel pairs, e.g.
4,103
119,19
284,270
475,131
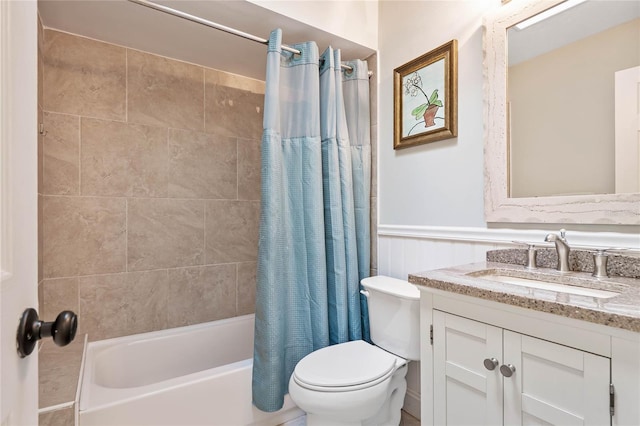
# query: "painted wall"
356,21
440,183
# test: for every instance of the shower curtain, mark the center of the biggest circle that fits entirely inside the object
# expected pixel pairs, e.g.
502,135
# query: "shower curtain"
314,221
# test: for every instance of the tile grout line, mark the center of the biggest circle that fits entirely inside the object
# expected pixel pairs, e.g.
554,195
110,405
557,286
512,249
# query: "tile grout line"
237,169
237,287
204,234
126,235
168,152
126,85
79,156
204,100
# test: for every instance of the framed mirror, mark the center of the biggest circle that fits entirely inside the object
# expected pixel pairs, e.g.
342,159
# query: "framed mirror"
562,131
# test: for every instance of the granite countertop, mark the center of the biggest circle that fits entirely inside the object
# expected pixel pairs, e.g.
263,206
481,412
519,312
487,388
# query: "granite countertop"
621,311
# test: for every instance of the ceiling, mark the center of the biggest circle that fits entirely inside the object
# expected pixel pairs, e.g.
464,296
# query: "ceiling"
131,25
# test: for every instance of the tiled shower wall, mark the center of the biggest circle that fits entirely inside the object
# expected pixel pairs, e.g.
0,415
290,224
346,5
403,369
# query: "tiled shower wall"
372,63
149,190
149,187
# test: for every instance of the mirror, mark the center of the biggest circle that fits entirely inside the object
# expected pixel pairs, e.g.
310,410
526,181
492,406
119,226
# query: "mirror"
561,85
551,148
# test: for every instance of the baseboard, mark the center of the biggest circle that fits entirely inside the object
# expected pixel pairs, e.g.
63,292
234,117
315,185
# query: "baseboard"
412,403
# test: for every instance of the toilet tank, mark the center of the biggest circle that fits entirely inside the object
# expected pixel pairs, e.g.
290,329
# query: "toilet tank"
394,315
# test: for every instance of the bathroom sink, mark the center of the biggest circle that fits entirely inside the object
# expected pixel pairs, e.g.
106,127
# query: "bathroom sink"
542,284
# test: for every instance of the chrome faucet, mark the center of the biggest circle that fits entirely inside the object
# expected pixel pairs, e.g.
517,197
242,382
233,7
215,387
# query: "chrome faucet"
562,248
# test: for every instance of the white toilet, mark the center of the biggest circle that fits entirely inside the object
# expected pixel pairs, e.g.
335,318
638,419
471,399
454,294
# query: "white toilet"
356,383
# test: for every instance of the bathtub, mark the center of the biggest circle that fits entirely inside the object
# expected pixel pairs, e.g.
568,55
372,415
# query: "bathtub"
195,375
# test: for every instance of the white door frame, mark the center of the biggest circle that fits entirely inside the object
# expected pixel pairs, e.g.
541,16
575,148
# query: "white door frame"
18,205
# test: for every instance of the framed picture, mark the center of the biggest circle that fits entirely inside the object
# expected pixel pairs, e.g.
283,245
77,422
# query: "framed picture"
425,93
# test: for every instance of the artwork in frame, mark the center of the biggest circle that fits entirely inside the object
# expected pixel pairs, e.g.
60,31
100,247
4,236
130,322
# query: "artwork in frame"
425,92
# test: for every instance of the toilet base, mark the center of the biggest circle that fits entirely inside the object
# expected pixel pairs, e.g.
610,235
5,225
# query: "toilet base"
388,415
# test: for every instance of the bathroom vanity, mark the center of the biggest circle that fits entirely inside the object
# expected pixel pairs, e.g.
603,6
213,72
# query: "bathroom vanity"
503,344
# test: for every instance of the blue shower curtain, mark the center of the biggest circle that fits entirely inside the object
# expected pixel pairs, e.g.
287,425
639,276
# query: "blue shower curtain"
314,222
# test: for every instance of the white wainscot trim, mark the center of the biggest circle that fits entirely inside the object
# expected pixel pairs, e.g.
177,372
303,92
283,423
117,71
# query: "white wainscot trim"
408,249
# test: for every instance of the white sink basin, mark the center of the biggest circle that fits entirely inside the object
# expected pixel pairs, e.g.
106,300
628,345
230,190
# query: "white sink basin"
545,285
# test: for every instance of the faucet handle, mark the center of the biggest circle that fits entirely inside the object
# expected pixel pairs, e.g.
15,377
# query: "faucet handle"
531,254
600,264
563,233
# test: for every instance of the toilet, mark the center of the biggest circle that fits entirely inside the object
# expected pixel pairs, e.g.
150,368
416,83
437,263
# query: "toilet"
356,383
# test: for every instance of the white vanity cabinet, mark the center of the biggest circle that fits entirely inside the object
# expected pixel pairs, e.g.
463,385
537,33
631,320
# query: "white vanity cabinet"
563,367
488,375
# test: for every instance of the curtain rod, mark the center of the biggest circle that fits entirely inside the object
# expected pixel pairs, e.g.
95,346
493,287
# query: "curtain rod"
217,26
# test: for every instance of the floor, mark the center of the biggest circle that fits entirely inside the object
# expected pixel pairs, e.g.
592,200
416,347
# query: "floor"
406,420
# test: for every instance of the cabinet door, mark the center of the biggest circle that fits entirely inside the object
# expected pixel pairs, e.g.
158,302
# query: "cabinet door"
465,392
554,384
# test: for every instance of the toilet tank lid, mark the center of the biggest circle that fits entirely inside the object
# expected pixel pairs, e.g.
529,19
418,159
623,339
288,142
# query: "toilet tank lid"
393,286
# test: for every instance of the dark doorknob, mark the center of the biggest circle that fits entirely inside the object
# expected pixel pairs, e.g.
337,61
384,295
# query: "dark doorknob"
31,329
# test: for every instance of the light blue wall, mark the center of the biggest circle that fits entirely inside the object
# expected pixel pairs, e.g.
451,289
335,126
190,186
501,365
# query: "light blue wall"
441,183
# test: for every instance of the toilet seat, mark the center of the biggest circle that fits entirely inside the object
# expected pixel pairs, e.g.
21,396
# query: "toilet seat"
345,367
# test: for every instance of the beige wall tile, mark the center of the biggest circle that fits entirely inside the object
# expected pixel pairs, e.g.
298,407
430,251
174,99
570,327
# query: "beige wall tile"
164,92
374,233
61,154
83,76
249,167
62,417
59,368
40,62
247,273
83,236
40,298
236,81
374,161
233,112
231,231
120,159
40,151
165,233
373,88
40,237
201,294
202,165
123,304
60,294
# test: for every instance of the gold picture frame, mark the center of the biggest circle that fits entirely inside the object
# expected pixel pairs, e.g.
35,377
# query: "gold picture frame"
425,98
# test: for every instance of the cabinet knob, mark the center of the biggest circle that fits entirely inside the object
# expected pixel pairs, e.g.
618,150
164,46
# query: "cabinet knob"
490,363
507,370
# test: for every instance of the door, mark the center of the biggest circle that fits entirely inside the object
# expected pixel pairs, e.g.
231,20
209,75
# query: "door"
554,384
18,206
466,392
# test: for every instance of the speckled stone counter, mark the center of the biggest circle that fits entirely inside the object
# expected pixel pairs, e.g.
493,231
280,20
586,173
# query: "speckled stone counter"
622,264
621,311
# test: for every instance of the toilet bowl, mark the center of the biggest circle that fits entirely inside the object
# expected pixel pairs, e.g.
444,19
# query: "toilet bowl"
356,383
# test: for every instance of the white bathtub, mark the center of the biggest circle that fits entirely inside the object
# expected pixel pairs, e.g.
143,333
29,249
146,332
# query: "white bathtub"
195,375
